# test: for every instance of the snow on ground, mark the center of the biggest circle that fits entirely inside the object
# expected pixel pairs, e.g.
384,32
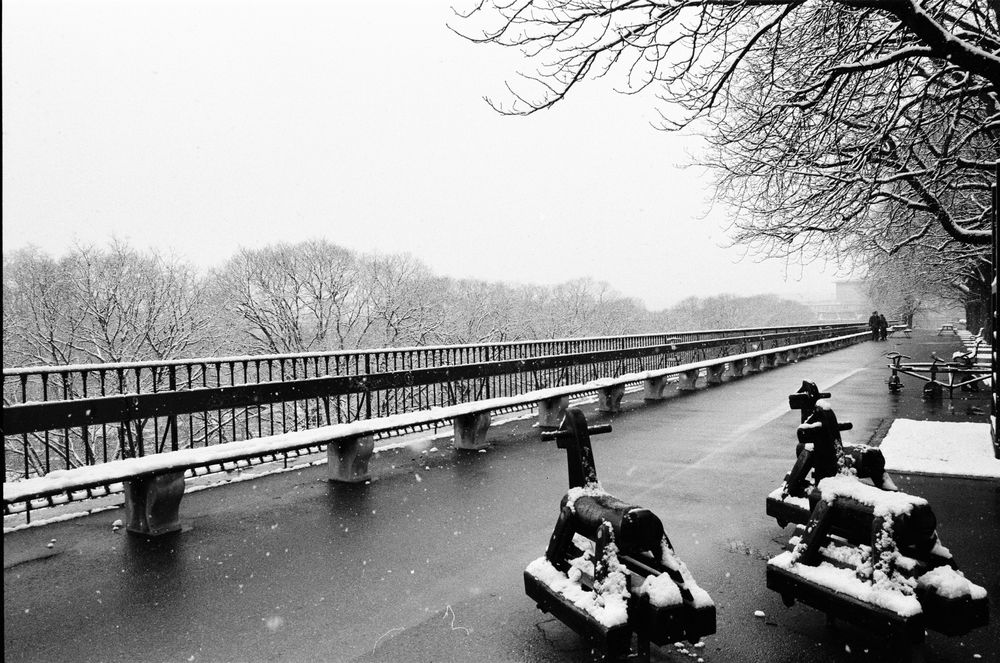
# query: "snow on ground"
940,448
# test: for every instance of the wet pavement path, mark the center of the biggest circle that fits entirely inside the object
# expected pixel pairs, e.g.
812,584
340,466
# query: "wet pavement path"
425,563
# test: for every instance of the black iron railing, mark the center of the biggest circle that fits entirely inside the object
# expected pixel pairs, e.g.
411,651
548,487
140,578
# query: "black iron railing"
59,417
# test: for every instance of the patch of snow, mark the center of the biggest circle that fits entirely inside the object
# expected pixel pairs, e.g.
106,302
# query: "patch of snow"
610,610
590,490
758,613
950,584
699,597
801,502
851,555
42,522
661,590
884,503
940,447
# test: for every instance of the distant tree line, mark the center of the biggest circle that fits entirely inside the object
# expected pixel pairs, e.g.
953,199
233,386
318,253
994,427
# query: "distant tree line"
117,303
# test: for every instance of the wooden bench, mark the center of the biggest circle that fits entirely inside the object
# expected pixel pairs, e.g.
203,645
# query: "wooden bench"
154,484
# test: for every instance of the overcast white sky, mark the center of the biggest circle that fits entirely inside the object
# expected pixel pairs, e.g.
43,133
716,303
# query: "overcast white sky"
201,126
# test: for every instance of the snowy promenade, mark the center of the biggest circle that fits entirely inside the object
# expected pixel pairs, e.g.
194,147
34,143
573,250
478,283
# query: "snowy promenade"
425,563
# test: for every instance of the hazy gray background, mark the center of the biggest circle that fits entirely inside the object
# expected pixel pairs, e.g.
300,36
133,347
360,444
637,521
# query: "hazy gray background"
199,127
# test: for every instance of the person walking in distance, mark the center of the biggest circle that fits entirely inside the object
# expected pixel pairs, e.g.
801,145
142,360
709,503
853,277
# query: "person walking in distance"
873,325
883,327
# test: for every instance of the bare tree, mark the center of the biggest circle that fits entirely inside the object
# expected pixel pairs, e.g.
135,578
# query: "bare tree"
97,305
919,279
731,311
138,306
822,114
481,312
41,322
406,300
295,298
102,305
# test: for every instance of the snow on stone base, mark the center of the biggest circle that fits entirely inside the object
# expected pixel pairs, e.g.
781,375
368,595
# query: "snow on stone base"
940,447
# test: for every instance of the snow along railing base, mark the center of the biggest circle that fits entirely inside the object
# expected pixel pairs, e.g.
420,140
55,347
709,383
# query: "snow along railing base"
864,553
609,570
153,484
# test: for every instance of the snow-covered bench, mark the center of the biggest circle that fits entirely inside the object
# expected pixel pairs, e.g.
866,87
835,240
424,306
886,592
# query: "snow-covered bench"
154,484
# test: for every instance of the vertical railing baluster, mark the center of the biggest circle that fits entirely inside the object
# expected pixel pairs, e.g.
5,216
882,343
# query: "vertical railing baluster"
284,427
66,438
246,408
45,435
157,444
295,402
122,452
88,456
204,383
260,415
190,426
317,397
139,426
172,418
218,384
24,436
338,397
368,393
270,378
232,383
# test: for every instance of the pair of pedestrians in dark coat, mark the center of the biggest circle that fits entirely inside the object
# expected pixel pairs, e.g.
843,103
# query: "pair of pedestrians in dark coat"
879,326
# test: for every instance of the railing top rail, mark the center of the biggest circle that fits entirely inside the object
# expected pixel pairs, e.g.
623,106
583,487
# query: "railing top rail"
161,363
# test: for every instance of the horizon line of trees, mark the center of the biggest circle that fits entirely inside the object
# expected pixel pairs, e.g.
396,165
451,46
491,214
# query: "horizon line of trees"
119,304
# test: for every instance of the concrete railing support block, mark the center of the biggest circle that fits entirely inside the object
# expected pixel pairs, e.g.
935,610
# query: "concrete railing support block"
152,504
715,373
347,459
688,381
609,399
470,431
652,389
551,411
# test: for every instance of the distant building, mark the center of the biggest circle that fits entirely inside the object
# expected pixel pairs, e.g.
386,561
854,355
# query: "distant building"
850,304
